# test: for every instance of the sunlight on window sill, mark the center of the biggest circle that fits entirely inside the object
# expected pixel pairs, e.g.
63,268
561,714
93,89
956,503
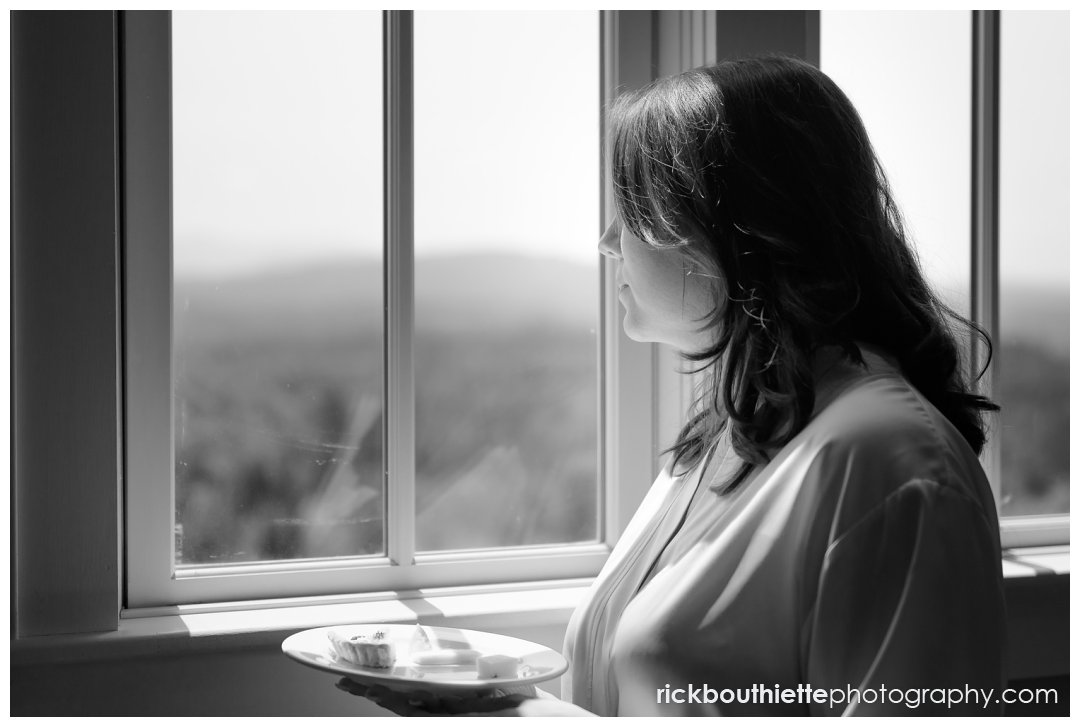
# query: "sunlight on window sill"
204,628
1039,561
213,627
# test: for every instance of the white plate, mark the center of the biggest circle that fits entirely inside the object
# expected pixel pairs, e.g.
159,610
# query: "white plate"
538,663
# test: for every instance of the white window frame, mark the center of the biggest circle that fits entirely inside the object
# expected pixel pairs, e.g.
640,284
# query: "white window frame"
626,409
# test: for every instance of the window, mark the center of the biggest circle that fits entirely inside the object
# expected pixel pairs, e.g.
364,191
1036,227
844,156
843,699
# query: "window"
282,429
1034,308
281,433
277,285
917,108
66,479
506,160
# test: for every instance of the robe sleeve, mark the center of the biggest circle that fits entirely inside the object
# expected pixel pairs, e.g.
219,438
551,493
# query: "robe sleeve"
910,598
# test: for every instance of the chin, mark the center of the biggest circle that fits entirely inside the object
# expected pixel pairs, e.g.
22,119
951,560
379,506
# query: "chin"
634,331
644,336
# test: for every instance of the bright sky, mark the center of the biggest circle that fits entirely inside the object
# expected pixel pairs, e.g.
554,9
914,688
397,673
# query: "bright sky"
909,75
277,133
1035,147
278,141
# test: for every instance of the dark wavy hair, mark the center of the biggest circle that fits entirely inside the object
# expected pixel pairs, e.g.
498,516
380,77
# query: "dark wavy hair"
762,171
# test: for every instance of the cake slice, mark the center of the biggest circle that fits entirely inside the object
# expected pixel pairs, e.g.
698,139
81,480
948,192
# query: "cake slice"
420,641
374,650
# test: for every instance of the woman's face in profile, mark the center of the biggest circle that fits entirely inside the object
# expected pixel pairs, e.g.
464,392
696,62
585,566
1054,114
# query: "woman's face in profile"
663,303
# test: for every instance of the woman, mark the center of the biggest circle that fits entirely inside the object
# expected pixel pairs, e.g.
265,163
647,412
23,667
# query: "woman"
824,525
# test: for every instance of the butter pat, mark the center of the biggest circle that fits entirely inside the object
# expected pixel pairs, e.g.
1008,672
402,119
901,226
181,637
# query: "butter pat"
445,657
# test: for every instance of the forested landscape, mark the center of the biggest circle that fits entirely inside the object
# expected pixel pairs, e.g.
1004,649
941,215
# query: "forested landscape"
278,408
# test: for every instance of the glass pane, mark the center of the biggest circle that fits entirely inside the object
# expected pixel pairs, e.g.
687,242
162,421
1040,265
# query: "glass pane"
1034,336
909,75
507,220
277,168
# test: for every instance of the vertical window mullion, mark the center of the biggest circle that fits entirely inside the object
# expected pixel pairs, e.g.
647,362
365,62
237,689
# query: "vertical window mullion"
399,404
986,47
629,406
604,455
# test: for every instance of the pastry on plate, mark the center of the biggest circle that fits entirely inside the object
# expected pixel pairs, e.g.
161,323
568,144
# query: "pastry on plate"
371,650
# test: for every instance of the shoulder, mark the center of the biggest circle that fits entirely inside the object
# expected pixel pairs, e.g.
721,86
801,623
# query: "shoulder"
880,435
886,418
874,410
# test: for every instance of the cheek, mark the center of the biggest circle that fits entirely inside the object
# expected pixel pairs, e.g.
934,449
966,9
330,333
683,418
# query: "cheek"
701,298
660,273
681,295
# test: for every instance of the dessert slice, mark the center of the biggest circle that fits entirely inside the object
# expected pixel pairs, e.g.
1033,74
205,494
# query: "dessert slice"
373,650
424,652
420,641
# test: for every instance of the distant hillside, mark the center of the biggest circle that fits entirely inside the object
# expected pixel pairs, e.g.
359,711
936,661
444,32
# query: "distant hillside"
1036,315
489,291
504,290
467,291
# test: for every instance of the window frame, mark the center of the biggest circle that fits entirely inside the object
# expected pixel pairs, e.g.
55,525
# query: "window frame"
626,409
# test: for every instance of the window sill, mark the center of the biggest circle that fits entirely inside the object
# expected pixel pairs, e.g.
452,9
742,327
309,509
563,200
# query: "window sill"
1045,560
243,625
1036,579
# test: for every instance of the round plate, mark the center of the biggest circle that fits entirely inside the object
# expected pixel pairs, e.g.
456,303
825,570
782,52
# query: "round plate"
538,663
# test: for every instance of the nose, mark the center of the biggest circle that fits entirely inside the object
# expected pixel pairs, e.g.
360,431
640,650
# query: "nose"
609,241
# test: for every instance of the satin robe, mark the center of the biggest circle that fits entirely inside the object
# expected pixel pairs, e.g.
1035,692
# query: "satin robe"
864,555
